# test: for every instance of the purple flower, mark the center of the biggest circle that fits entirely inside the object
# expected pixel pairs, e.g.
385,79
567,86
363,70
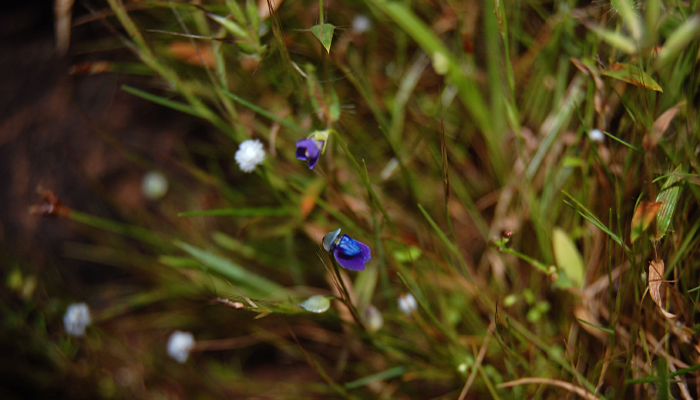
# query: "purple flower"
309,150
349,253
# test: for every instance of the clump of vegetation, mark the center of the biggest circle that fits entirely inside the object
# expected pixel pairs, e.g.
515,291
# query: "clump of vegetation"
516,184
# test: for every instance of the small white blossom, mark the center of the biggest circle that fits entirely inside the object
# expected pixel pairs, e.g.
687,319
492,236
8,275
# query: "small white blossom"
373,318
596,136
361,24
407,303
76,319
179,345
250,154
154,185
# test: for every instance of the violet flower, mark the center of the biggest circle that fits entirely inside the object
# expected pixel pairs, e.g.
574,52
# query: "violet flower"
311,148
349,253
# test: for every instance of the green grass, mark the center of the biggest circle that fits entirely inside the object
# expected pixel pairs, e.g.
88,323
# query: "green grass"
458,147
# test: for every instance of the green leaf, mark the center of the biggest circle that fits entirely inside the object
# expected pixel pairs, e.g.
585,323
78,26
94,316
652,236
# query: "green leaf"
567,257
668,197
177,106
316,304
408,254
613,38
230,271
631,74
380,376
678,41
324,34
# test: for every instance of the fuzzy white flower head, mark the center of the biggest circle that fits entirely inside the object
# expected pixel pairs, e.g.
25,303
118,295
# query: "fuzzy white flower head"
361,24
76,319
179,345
407,303
250,154
596,136
154,185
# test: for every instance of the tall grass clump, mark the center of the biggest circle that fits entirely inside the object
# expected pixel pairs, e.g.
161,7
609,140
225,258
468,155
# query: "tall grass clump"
516,185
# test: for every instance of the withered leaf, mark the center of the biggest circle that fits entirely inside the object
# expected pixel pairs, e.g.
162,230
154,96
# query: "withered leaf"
656,276
643,215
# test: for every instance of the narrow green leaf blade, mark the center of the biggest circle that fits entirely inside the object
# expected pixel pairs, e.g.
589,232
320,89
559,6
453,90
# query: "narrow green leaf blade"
668,197
631,74
177,106
324,34
227,269
239,212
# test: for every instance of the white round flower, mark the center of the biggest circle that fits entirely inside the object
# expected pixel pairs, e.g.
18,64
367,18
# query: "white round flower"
76,319
154,185
179,345
250,154
596,136
361,24
407,303
373,318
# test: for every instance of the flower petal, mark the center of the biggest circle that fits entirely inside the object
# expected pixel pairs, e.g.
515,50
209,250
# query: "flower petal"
348,246
309,150
356,262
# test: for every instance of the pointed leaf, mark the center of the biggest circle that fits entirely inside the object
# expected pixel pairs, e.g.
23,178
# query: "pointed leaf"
668,197
316,304
656,276
567,257
324,34
643,215
614,38
232,272
660,125
632,74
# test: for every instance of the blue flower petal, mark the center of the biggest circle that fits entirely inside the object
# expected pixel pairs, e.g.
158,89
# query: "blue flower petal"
309,150
355,262
348,246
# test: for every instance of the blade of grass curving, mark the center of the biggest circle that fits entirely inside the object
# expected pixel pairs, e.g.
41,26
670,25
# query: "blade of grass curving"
175,105
264,113
451,246
585,213
652,379
617,139
602,328
378,377
135,232
239,212
232,272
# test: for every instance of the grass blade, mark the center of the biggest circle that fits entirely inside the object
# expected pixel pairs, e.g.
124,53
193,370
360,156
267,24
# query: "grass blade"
239,212
230,271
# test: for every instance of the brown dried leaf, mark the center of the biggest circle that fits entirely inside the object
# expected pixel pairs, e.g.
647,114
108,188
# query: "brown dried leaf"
656,276
643,215
201,56
51,205
660,125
